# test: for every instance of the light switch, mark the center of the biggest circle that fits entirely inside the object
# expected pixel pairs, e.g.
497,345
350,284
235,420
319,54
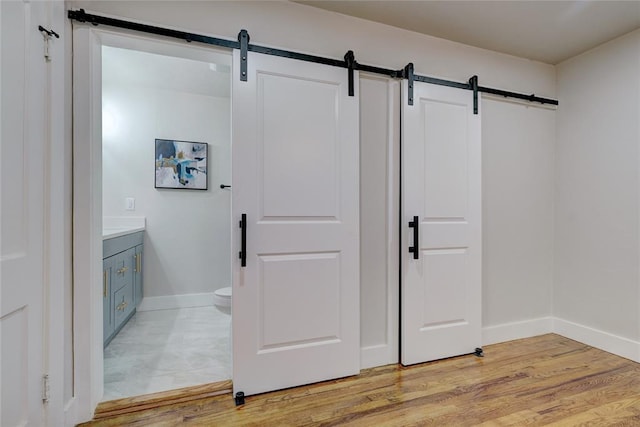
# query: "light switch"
130,204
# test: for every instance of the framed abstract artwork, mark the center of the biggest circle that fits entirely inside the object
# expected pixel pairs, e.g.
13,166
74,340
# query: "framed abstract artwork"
181,164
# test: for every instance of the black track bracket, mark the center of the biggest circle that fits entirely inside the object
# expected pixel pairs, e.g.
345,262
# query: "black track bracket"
350,61
239,398
473,85
243,38
82,16
408,74
479,352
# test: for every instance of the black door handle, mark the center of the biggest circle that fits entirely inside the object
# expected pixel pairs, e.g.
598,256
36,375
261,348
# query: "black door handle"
415,249
243,244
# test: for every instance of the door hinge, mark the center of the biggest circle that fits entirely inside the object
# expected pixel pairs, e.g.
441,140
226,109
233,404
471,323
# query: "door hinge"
45,388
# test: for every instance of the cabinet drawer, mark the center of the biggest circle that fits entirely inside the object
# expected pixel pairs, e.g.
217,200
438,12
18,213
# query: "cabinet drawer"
122,273
123,303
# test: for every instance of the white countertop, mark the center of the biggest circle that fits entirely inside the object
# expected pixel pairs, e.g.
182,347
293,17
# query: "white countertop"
111,232
115,226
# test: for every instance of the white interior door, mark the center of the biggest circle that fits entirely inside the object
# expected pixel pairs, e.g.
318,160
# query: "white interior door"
441,181
23,147
296,317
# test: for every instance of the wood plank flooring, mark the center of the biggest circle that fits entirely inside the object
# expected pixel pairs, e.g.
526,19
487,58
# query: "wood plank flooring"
545,380
127,405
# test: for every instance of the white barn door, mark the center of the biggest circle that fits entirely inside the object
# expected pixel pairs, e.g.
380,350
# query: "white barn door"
441,181
24,142
296,317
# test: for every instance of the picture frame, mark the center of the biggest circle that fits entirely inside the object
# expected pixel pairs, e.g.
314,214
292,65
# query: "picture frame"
181,165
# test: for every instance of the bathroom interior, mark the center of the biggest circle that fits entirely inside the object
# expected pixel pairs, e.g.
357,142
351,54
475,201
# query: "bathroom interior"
170,328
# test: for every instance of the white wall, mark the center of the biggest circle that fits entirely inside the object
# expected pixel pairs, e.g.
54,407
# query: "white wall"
597,171
517,172
306,29
379,233
187,238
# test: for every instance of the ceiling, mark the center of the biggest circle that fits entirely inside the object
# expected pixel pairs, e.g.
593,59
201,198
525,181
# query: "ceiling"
546,31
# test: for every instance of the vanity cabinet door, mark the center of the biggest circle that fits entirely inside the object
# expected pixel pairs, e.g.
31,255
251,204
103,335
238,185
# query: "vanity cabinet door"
107,311
122,277
137,275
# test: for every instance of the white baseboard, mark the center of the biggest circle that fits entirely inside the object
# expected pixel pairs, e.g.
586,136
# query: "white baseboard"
605,341
516,330
617,345
176,301
380,355
377,355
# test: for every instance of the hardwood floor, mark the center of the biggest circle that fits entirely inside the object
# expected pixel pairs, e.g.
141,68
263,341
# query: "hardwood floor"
112,408
545,380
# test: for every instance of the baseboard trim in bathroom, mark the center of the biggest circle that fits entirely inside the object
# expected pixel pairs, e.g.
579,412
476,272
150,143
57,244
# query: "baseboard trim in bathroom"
155,400
170,302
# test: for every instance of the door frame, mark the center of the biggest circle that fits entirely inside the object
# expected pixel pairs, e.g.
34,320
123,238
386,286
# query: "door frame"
87,195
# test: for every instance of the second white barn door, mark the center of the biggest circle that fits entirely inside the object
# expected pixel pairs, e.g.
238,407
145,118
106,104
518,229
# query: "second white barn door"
441,248
296,317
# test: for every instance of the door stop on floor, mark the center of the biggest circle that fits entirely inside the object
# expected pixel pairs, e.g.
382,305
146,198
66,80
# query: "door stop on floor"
239,398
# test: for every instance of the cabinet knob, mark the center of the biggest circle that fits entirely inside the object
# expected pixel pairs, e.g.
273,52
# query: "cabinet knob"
122,270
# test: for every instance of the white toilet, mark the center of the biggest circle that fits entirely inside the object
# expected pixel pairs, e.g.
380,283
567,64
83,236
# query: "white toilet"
222,300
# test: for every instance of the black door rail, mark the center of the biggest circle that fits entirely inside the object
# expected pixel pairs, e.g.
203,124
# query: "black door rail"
349,61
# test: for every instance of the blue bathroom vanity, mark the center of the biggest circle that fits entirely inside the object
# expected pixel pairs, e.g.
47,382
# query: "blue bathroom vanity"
122,252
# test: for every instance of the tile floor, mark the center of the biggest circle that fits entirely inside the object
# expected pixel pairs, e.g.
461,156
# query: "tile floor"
168,349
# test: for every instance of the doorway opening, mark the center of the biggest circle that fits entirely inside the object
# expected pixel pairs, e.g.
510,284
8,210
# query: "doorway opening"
163,331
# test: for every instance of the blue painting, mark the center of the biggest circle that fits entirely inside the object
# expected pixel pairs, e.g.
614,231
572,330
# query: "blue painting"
181,164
